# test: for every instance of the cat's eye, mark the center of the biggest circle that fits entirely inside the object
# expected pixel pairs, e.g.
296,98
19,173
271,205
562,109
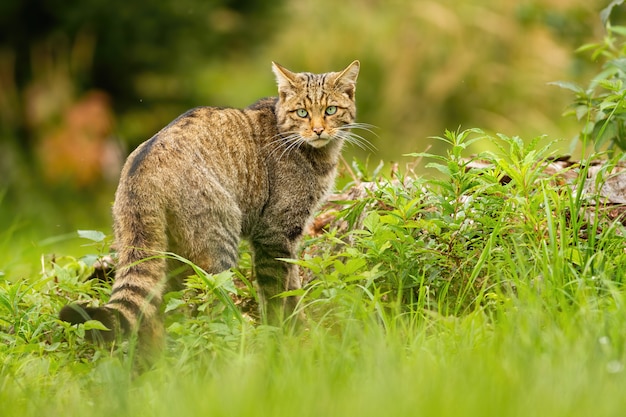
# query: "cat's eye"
302,113
330,110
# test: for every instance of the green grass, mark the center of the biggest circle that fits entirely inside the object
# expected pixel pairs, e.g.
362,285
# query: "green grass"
458,295
455,296
531,363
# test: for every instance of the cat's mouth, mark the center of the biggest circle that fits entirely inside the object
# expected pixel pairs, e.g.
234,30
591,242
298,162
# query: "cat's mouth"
319,142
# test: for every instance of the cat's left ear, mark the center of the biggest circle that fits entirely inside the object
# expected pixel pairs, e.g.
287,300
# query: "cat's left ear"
346,79
286,79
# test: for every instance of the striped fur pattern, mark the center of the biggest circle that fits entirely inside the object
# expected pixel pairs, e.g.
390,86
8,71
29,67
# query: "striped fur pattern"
216,175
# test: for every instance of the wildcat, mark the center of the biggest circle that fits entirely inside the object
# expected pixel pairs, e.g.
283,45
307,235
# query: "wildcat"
215,175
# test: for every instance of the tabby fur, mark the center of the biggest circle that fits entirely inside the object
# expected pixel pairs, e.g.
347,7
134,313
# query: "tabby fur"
215,175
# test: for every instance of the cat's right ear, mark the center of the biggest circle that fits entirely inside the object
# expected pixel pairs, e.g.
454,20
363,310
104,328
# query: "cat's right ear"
286,79
346,79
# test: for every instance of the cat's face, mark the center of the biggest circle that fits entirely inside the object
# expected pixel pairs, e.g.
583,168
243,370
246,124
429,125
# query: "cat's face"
315,109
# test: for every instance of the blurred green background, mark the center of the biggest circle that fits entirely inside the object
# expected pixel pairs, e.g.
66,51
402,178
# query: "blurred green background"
83,83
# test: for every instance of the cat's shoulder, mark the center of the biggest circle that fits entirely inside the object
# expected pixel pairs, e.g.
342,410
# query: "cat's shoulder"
267,103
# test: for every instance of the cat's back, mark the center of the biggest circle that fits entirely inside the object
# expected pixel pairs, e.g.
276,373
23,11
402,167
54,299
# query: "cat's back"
222,134
206,145
224,124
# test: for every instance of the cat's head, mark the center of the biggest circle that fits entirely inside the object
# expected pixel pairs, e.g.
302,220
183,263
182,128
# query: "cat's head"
315,109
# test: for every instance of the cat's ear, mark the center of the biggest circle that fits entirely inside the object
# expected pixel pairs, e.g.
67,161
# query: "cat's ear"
286,79
346,79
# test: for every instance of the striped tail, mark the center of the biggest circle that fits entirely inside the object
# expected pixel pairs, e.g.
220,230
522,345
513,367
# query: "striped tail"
137,292
134,304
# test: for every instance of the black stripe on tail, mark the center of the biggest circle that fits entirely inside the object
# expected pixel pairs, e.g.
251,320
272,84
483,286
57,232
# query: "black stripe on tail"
111,319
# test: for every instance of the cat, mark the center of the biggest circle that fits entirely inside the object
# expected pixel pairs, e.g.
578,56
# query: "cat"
214,176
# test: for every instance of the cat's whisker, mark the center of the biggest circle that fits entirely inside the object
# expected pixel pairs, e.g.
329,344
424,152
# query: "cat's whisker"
346,132
356,135
287,143
358,125
279,138
363,126
295,144
360,144
357,140
276,147
285,134
282,141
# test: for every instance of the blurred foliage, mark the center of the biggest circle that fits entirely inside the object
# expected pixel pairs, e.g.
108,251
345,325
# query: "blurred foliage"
82,84
601,107
80,80
432,65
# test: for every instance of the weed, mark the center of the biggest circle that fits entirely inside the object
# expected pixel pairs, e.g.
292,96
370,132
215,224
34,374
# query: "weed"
488,286
601,106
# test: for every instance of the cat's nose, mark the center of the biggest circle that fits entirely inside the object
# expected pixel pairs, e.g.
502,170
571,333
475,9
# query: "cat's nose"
318,130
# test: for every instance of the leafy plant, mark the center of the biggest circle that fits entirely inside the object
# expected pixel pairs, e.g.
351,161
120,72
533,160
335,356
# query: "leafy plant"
486,273
486,230
601,106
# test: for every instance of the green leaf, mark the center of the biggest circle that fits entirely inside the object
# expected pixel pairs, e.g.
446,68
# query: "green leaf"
4,301
619,63
389,219
371,221
581,112
292,293
620,30
95,325
90,259
604,133
173,304
588,128
605,14
439,167
568,86
351,266
574,255
611,85
588,47
93,235
426,155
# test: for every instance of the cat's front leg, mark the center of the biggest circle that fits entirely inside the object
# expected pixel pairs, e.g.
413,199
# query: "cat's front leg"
277,309
275,276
